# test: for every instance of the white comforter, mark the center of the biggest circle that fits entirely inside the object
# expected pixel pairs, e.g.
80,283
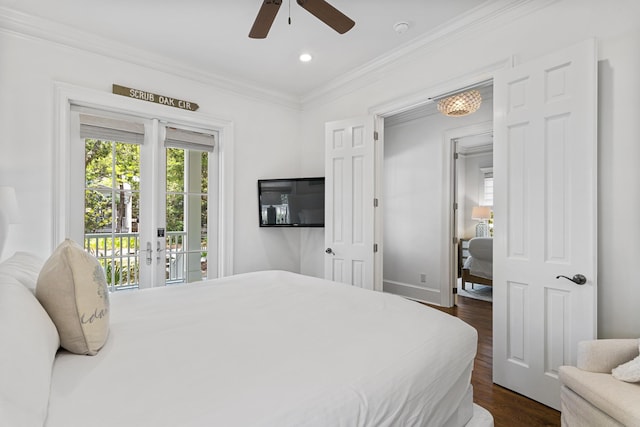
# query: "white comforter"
266,349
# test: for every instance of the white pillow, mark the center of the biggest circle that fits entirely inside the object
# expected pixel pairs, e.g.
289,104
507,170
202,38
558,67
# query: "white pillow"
24,267
29,345
628,372
72,288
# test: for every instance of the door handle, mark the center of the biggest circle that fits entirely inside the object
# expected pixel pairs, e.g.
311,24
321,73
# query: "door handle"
578,279
329,251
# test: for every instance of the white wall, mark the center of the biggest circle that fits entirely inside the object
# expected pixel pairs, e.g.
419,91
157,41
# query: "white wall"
619,186
412,204
562,24
413,189
266,142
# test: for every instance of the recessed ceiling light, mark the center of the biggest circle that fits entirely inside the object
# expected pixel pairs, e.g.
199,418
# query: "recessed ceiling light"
305,57
401,27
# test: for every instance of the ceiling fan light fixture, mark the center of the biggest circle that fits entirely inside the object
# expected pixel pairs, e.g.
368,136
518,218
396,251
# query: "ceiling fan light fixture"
305,57
461,104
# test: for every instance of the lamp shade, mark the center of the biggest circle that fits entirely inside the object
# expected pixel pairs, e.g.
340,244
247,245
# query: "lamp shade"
481,212
9,205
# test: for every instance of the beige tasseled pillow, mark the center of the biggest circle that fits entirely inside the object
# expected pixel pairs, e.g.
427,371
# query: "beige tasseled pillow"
72,288
629,372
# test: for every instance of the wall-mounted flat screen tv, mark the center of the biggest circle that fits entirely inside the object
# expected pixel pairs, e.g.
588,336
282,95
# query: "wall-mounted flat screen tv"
294,202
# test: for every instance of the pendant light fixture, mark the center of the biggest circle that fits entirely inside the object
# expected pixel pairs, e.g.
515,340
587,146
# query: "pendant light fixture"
461,104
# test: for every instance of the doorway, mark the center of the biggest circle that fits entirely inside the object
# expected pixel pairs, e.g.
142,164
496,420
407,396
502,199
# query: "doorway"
143,186
473,215
418,186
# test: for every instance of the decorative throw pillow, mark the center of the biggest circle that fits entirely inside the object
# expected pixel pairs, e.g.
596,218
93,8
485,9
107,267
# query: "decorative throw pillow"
629,372
72,288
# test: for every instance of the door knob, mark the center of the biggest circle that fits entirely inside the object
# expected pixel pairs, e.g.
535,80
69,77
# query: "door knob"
578,279
329,251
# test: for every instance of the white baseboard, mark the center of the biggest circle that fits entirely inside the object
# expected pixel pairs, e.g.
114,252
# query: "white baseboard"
414,292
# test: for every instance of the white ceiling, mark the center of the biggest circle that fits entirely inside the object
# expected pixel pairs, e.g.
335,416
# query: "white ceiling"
212,36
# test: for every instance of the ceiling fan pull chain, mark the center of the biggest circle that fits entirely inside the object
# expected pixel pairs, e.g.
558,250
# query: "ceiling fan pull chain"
318,8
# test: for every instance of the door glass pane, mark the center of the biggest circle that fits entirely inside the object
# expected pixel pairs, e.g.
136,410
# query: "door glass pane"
98,212
175,170
204,212
186,207
204,170
175,212
98,160
112,207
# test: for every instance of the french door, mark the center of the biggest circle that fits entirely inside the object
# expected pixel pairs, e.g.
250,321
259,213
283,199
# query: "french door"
545,251
140,196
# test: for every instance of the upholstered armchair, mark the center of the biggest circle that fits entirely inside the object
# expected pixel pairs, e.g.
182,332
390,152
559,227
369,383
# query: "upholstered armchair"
589,394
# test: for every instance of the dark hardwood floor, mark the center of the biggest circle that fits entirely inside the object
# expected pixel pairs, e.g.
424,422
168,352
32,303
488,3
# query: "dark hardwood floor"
508,408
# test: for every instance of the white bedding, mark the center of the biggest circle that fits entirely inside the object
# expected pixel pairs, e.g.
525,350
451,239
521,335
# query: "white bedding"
480,261
267,349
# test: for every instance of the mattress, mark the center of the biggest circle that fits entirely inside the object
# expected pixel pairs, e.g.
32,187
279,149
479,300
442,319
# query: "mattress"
268,349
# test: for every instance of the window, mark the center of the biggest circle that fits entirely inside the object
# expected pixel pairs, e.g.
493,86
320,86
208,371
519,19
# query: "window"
487,187
187,203
144,195
112,196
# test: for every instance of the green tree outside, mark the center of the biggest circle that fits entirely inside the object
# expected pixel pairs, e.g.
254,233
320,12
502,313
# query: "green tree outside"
112,170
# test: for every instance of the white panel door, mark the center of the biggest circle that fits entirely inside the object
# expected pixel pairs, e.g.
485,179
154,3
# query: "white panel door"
545,219
349,216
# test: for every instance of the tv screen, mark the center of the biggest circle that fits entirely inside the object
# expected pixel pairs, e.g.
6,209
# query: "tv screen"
295,202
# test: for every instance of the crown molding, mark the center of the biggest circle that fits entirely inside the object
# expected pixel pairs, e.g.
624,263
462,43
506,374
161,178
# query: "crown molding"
485,17
32,27
482,18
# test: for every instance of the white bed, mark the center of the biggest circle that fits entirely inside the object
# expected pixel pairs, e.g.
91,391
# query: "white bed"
266,349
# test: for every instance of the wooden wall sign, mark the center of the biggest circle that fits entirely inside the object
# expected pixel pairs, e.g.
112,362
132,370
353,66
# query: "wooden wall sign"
154,97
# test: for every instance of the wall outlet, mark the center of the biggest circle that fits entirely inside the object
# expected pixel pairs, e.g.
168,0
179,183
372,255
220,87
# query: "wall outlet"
423,278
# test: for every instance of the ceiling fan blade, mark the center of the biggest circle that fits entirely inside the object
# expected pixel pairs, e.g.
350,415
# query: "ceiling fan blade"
264,20
328,14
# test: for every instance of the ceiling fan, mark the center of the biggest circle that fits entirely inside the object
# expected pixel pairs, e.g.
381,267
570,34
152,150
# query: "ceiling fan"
318,8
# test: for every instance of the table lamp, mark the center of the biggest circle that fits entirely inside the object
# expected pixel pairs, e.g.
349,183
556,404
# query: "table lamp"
482,214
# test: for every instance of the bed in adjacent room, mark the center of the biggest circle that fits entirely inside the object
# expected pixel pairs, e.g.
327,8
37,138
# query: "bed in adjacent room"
258,349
